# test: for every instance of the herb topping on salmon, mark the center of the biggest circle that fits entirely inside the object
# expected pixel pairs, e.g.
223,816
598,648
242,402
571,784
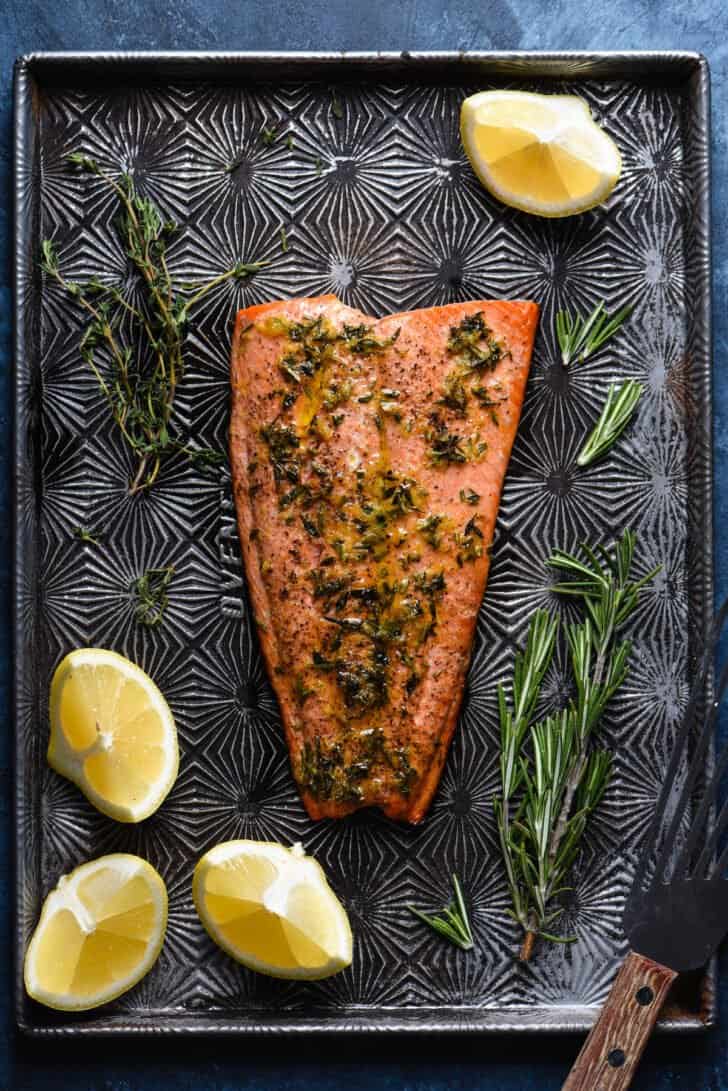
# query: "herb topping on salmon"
368,458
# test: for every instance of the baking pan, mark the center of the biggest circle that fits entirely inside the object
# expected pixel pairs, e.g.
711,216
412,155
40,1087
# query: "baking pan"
379,205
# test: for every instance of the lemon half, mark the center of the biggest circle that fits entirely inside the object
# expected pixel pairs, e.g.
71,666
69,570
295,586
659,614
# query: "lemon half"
271,908
99,933
543,154
112,733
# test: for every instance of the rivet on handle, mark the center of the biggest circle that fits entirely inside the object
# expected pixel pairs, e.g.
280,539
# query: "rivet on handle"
616,1058
644,996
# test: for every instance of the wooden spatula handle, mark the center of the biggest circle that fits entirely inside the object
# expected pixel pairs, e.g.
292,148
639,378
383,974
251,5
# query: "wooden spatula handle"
611,1053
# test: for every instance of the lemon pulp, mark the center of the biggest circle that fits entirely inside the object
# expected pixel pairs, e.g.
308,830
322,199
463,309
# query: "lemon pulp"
542,154
112,733
272,909
99,932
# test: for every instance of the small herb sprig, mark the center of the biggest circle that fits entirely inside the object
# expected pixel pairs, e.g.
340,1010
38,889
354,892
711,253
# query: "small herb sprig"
580,336
144,343
615,416
551,781
89,535
452,922
150,590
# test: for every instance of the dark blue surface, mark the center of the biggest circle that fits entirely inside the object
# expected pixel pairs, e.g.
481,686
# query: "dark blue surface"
699,1064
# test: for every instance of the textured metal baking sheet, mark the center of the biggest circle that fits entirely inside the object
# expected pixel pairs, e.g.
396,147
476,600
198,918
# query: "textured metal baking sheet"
380,206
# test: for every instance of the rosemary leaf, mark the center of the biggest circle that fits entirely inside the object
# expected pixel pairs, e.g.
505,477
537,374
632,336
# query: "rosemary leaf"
615,416
580,336
452,923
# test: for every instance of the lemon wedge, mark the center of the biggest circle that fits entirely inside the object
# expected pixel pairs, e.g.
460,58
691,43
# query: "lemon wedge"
271,908
543,154
100,931
112,733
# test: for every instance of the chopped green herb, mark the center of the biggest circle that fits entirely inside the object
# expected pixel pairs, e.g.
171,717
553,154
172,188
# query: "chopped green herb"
314,528
454,394
469,541
445,447
268,135
485,400
337,393
475,447
360,342
431,583
91,535
282,444
429,529
469,496
301,691
150,590
472,343
401,492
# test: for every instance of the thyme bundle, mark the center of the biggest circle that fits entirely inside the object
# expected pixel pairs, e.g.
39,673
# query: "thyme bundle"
144,342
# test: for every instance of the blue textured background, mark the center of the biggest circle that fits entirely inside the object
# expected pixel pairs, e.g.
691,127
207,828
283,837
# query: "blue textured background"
699,1064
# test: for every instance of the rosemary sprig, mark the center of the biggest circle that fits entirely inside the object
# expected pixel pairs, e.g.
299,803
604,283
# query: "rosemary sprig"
530,666
580,336
615,416
150,590
452,922
146,351
551,781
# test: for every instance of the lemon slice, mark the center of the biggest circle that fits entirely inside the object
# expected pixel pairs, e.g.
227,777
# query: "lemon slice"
112,733
540,153
100,931
272,909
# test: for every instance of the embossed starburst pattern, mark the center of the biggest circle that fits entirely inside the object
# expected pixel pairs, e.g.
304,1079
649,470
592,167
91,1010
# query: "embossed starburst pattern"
378,204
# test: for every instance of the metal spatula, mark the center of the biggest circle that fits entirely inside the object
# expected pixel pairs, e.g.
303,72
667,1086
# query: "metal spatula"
677,910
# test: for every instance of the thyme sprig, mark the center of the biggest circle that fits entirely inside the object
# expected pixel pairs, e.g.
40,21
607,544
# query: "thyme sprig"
144,342
551,781
580,336
452,922
615,416
89,535
150,590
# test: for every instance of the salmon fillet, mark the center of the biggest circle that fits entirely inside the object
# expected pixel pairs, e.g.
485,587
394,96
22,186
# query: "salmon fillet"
368,459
